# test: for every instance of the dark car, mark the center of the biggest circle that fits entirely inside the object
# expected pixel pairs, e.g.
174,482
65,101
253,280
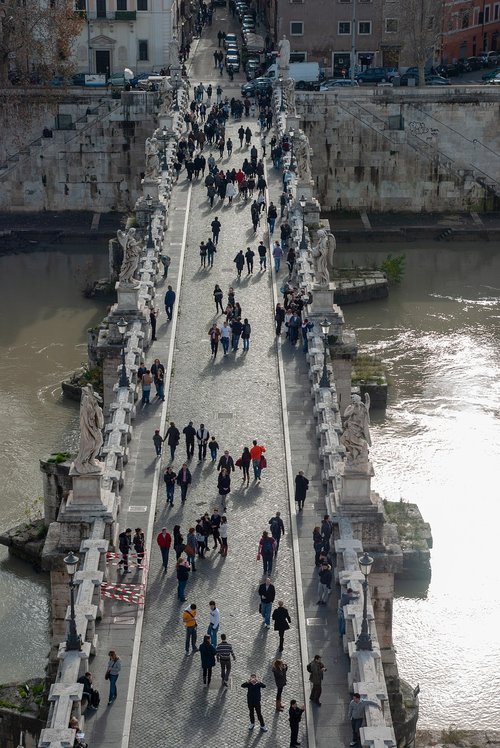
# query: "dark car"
448,71
490,74
78,79
374,75
258,85
475,63
430,80
220,3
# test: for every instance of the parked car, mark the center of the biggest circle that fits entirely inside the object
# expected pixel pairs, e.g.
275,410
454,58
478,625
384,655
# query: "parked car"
258,85
490,74
233,50
78,79
475,63
495,81
234,61
337,83
230,39
430,80
448,71
117,80
220,3
252,69
374,75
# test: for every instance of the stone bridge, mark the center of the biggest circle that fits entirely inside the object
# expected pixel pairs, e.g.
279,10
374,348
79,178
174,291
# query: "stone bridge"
273,393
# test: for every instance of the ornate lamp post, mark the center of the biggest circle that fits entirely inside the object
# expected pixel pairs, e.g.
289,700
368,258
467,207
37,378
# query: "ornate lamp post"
291,136
176,86
164,137
303,242
122,329
149,202
364,641
73,641
325,329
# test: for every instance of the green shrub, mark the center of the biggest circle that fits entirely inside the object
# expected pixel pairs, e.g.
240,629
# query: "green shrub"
394,268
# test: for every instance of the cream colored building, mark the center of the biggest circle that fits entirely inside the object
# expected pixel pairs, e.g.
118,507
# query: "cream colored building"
124,33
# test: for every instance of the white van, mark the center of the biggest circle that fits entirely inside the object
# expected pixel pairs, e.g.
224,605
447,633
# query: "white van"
305,74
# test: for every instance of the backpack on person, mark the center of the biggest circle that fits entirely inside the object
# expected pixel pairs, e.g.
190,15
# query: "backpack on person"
275,527
95,698
267,547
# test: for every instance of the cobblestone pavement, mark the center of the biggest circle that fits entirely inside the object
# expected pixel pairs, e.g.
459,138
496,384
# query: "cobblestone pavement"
237,398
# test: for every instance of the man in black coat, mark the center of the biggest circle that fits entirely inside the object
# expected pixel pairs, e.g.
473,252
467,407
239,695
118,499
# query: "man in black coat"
184,480
189,432
294,716
172,437
226,461
125,543
267,594
254,688
301,486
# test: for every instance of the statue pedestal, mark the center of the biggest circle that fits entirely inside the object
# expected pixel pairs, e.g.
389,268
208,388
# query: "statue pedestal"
355,487
165,120
322,303
150,187
128,298
88,499
305,188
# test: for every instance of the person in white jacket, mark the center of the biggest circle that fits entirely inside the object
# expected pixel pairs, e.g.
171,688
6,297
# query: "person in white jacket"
214,624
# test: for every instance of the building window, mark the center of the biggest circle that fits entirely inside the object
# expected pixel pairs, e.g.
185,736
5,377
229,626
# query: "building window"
365,1
391,25
365,27
101,8
344,27
143,49
296,28
298,56
121,4
487,14
497,8
344,1
142,4
465,20
297,2
80,5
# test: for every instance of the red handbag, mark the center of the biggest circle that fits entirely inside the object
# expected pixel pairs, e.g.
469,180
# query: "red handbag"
263,462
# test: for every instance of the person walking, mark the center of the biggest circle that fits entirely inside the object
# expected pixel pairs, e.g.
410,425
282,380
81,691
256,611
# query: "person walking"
179,544
317,544
207,653
267,594
172,437
229,147
184,480
245,334
203,255
211,250
125,544
191,625
249,255
157,441
245,461
226,461
236,330
214,335
279,671
225,653
202,437
277,255
214,625
254,688
239,260
225,336
158,374
356,713
262,252
189,432
272,215
139,546
326,532
301,488
191,548
153,314
282,621
230,192
224,486
256,453
223,536
169,302
277,529
279,317
216,227
213,446
112,672
255,214
182,571
218,295
164,541
146,382
316,670
294,716
324,583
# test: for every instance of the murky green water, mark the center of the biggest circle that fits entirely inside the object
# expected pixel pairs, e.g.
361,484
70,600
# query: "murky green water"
438,444
43,323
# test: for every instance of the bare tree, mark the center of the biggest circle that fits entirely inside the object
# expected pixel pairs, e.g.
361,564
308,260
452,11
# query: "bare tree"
421,27
36,37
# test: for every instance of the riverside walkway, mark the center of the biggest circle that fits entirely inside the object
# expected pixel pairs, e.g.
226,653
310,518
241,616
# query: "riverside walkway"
261,394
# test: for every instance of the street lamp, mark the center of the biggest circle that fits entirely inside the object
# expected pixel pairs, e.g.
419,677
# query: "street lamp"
73,641
122,329
149,202
164,137
176,86
291,136
303,242
364,640
325,329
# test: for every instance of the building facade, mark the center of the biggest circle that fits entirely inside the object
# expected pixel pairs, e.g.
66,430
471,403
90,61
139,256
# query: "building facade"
469,28
120,34
328,31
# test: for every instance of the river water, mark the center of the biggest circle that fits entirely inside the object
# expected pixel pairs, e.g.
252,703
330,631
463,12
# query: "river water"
43,323
438,444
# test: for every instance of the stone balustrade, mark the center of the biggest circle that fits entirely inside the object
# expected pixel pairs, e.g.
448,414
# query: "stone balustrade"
366,674
97,523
